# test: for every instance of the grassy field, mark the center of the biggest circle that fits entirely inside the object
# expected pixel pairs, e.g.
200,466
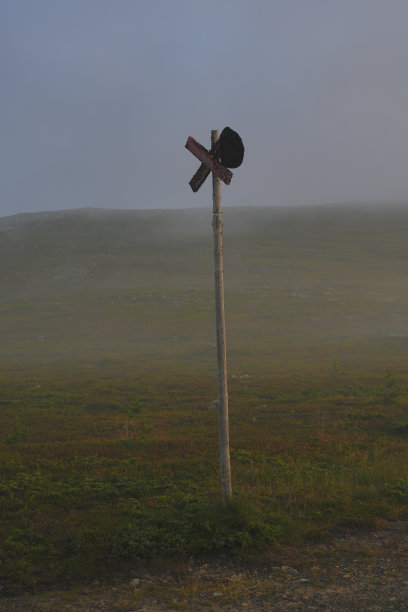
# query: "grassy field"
109,449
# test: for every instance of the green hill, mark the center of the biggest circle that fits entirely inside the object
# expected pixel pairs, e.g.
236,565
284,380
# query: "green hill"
303,286
109,443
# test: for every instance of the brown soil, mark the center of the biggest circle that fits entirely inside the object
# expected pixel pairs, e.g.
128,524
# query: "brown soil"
363,572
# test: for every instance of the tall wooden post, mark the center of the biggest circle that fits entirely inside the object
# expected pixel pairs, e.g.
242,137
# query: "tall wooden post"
223,426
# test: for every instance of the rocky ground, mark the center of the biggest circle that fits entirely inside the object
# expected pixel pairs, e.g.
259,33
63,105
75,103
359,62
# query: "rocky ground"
363,572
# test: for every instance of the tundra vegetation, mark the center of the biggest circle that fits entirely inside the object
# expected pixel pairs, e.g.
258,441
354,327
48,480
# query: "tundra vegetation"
109,444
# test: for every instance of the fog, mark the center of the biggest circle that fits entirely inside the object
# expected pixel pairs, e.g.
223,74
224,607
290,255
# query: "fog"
304,287
98,99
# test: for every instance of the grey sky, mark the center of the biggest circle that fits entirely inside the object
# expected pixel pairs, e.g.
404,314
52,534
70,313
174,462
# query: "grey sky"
99,96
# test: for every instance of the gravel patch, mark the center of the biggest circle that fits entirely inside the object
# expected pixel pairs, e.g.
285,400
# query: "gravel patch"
359,572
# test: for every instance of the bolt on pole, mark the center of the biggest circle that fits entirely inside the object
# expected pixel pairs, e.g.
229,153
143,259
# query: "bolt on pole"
223,426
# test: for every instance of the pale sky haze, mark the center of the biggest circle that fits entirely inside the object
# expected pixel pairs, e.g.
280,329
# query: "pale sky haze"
98,98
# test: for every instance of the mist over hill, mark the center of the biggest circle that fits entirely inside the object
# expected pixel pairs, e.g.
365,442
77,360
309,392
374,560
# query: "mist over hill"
303,285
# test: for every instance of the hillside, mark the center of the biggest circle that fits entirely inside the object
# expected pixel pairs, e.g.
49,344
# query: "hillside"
109,439
304,285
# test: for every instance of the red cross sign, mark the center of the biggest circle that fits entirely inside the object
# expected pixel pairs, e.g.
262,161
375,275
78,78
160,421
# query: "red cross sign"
209,164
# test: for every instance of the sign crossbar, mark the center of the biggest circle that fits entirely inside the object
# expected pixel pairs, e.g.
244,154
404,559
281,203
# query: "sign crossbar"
210,163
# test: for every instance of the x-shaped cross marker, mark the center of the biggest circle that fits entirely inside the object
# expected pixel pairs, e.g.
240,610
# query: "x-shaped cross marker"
209,164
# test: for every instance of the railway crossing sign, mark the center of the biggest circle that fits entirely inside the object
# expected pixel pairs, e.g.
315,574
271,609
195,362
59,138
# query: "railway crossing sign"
210,163
228,148
227,151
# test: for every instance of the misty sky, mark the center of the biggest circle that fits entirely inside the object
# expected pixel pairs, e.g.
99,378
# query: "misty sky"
98,98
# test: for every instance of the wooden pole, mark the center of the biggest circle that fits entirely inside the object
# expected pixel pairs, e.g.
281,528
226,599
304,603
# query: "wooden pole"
223,427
